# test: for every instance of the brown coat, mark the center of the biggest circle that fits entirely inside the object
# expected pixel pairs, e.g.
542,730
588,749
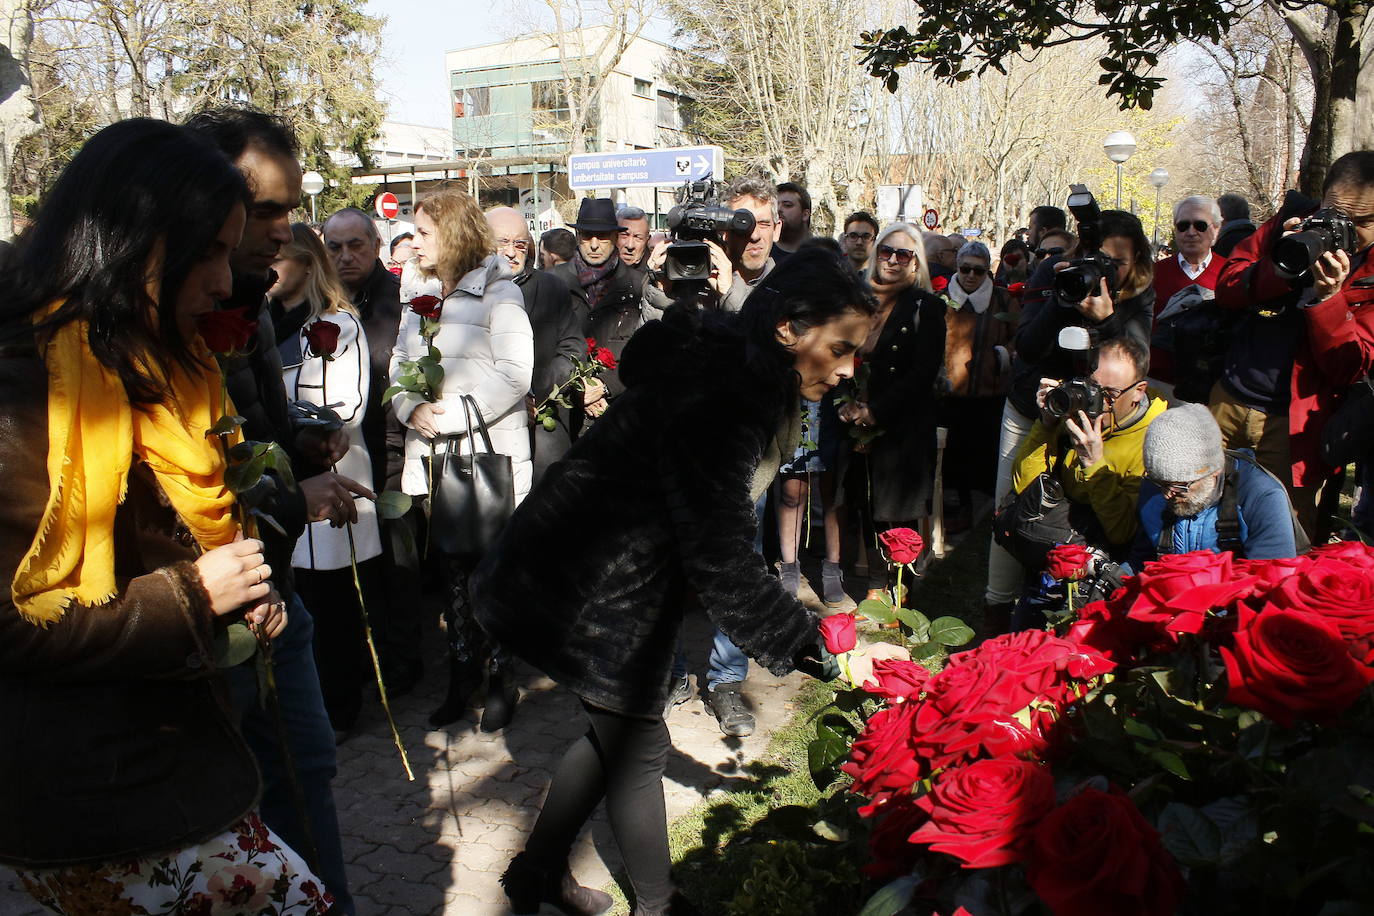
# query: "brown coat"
119,740
973,367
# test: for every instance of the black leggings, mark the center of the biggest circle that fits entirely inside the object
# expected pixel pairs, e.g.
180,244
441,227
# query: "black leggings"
621,759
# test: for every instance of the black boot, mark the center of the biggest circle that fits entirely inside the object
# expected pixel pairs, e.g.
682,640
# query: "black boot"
528,886
502,696
463,680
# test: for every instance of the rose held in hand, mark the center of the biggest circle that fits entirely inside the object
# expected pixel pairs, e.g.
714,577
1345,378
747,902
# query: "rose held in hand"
903,545
839,633
323,338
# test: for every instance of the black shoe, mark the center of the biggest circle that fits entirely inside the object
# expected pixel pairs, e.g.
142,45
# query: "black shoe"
463,681
502,696
681,693
527,887
678,906
726,703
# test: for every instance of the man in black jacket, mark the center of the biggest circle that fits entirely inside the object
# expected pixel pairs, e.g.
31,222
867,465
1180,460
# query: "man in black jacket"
265,149
354,245
557,322
609,289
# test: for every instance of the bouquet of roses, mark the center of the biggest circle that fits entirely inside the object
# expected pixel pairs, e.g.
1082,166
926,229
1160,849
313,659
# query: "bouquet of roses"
598,359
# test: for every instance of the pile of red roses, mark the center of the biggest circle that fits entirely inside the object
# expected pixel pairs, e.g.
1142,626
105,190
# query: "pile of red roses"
981,764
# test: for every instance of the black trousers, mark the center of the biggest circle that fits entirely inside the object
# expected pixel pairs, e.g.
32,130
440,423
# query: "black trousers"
340,646
621,760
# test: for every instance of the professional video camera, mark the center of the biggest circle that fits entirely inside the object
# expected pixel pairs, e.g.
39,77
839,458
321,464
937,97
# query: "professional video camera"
1083,277
1080,392
696,219
1326,230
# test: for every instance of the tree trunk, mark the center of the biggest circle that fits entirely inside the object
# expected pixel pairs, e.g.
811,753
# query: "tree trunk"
18,116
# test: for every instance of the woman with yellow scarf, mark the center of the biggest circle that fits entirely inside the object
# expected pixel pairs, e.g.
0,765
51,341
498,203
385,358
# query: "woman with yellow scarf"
124,784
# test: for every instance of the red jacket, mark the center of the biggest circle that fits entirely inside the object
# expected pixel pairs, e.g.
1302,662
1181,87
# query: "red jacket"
1169,279
1337,352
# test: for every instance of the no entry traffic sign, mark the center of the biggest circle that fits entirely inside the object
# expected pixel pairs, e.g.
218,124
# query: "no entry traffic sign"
387,205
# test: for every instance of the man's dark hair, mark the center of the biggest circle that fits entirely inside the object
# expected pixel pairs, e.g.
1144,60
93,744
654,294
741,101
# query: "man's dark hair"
560,241
141,193
797,190
1050,217
1233,206
403,237
1355,168
861,216
234,128
1131,349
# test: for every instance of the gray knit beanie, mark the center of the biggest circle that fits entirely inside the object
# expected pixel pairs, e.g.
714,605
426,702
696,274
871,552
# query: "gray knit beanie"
1183,444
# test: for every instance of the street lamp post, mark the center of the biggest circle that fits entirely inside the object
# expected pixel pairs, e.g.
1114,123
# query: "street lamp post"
1119,146
1159,178
312,183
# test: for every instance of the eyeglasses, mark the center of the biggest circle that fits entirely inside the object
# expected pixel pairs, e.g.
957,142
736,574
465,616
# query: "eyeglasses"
517,244
1198,225
901,256
973,269
858,236
1048,252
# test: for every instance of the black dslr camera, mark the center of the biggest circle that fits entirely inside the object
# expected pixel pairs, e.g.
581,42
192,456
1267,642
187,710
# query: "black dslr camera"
1083,277
1080,392
1326,230
696,219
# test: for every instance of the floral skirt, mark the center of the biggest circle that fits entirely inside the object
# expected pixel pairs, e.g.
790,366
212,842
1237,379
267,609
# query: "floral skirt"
245,870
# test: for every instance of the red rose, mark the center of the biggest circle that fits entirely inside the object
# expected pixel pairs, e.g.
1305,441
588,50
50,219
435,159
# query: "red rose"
322,337
903,545
1097,854
896,679
839,633
427,306
1067,561
982,814
226,331
889,847
1344,595
605,357
940,284
1292,665
1174,593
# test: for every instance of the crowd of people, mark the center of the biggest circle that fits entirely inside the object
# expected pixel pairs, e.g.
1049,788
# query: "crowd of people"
663,432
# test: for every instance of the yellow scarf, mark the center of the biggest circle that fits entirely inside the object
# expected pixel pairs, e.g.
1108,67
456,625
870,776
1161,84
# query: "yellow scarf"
93,432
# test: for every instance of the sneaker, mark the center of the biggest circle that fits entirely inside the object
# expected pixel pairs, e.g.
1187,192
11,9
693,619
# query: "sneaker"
681,693
726,703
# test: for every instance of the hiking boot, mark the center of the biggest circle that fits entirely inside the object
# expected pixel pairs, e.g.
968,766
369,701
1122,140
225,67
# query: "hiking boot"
681,693
726,703
832,585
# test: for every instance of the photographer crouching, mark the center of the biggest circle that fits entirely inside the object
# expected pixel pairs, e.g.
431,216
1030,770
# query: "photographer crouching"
1305,281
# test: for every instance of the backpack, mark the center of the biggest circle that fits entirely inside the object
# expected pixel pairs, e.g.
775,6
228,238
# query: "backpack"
1228,512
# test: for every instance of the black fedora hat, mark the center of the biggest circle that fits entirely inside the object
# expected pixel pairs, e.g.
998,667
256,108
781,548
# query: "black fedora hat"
597,214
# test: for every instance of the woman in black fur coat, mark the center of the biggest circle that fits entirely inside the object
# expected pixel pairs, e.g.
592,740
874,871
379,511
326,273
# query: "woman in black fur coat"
589,579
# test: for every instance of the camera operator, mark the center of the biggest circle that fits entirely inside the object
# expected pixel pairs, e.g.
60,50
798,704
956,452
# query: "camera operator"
737,267
1306,283
1044,312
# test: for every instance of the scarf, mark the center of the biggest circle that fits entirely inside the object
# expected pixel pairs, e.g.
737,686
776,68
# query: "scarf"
93,433
595,280
978,300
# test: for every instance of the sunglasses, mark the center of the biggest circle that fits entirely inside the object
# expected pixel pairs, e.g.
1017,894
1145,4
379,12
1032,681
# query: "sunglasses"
899,255
1198,225
972,269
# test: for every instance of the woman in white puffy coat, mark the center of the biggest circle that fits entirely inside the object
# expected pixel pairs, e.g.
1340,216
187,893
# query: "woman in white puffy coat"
325,362
486,349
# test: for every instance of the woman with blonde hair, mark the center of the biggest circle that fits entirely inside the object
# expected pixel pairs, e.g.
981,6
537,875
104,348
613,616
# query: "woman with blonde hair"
486,349
893,394
324,356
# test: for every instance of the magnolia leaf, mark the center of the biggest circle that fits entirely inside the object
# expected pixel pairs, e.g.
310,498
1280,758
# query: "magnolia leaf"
950,631
225,425
891,899
234,645
877,611
393,503
1191,836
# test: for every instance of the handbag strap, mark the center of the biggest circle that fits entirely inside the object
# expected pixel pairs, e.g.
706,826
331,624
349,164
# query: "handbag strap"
469,408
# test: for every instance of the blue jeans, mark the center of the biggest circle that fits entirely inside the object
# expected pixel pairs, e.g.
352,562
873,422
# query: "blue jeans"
728,664
312,750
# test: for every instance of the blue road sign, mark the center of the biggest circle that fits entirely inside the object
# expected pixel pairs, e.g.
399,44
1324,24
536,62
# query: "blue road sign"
645,167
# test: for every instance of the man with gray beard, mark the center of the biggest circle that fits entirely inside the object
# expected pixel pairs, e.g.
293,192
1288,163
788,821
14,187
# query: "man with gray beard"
1199,496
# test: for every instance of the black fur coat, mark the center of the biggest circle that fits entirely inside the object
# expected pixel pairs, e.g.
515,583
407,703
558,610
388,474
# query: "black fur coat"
589,580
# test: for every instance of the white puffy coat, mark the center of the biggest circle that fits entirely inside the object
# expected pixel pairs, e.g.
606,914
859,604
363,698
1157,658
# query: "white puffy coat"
487,350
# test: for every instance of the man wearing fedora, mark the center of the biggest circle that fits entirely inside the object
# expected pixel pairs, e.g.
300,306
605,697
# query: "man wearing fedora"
605,290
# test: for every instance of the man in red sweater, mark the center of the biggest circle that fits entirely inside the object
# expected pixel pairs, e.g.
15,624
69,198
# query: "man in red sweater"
1196,222
1302,343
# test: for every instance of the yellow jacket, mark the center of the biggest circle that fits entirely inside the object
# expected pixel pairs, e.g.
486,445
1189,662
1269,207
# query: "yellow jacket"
1110,486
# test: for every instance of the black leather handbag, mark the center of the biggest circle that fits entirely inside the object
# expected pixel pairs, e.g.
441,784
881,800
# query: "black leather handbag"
474,494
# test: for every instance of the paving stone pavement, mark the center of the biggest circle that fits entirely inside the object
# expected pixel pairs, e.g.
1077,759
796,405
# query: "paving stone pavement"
438,845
